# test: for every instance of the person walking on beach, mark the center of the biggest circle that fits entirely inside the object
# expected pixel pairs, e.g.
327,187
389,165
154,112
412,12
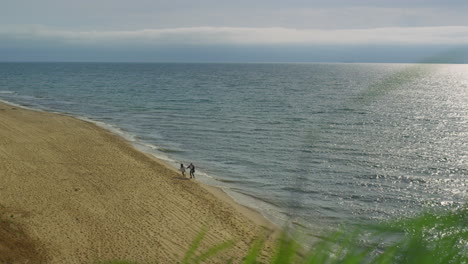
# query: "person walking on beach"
192,170
182,169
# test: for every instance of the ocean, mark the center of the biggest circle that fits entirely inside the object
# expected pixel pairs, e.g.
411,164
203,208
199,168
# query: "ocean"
311,145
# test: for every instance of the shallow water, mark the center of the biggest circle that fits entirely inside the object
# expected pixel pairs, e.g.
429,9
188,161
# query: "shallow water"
319,144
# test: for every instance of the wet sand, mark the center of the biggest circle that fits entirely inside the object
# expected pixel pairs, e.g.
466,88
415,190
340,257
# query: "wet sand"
83,195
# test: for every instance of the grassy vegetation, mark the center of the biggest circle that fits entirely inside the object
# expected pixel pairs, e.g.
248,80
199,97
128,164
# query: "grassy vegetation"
430,238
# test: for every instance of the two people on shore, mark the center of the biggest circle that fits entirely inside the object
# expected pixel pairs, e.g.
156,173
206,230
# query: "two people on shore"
191,167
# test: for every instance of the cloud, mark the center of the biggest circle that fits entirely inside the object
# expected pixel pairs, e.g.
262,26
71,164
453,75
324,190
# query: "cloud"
323,14
449,35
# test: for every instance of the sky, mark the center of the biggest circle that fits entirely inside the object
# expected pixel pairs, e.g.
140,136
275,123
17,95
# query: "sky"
234,31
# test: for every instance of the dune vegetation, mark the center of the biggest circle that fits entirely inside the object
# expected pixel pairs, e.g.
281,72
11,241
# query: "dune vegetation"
433,237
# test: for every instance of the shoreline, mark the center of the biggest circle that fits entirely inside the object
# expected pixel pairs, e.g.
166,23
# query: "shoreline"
82,174
251,213
254,214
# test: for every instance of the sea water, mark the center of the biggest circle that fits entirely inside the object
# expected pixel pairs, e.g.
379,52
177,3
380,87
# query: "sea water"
311,144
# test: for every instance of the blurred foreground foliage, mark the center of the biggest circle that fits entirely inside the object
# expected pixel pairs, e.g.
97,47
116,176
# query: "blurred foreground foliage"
433,237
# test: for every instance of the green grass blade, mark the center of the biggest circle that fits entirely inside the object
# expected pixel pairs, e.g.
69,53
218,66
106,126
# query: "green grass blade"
213,251
287,249
194,246
254,251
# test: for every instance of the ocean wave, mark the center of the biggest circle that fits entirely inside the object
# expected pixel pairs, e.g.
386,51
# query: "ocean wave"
168,150
110,127
143,146
21,105
256,197
228,181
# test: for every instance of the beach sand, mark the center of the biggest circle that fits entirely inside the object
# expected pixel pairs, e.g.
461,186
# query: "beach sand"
80,194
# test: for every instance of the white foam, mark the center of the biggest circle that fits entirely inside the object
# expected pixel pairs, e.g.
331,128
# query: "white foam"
7,92
269,211
153,150
206,175
112,128
132,138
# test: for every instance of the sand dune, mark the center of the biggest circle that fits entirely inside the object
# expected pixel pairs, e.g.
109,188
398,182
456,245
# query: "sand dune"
86,195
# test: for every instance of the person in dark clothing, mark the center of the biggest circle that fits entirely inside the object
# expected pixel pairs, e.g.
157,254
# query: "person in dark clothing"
192,170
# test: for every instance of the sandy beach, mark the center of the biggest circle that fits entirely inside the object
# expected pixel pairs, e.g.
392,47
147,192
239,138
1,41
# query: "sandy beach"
76,193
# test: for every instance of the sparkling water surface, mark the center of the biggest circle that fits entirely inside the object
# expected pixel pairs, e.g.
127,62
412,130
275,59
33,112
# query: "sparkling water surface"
318,144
